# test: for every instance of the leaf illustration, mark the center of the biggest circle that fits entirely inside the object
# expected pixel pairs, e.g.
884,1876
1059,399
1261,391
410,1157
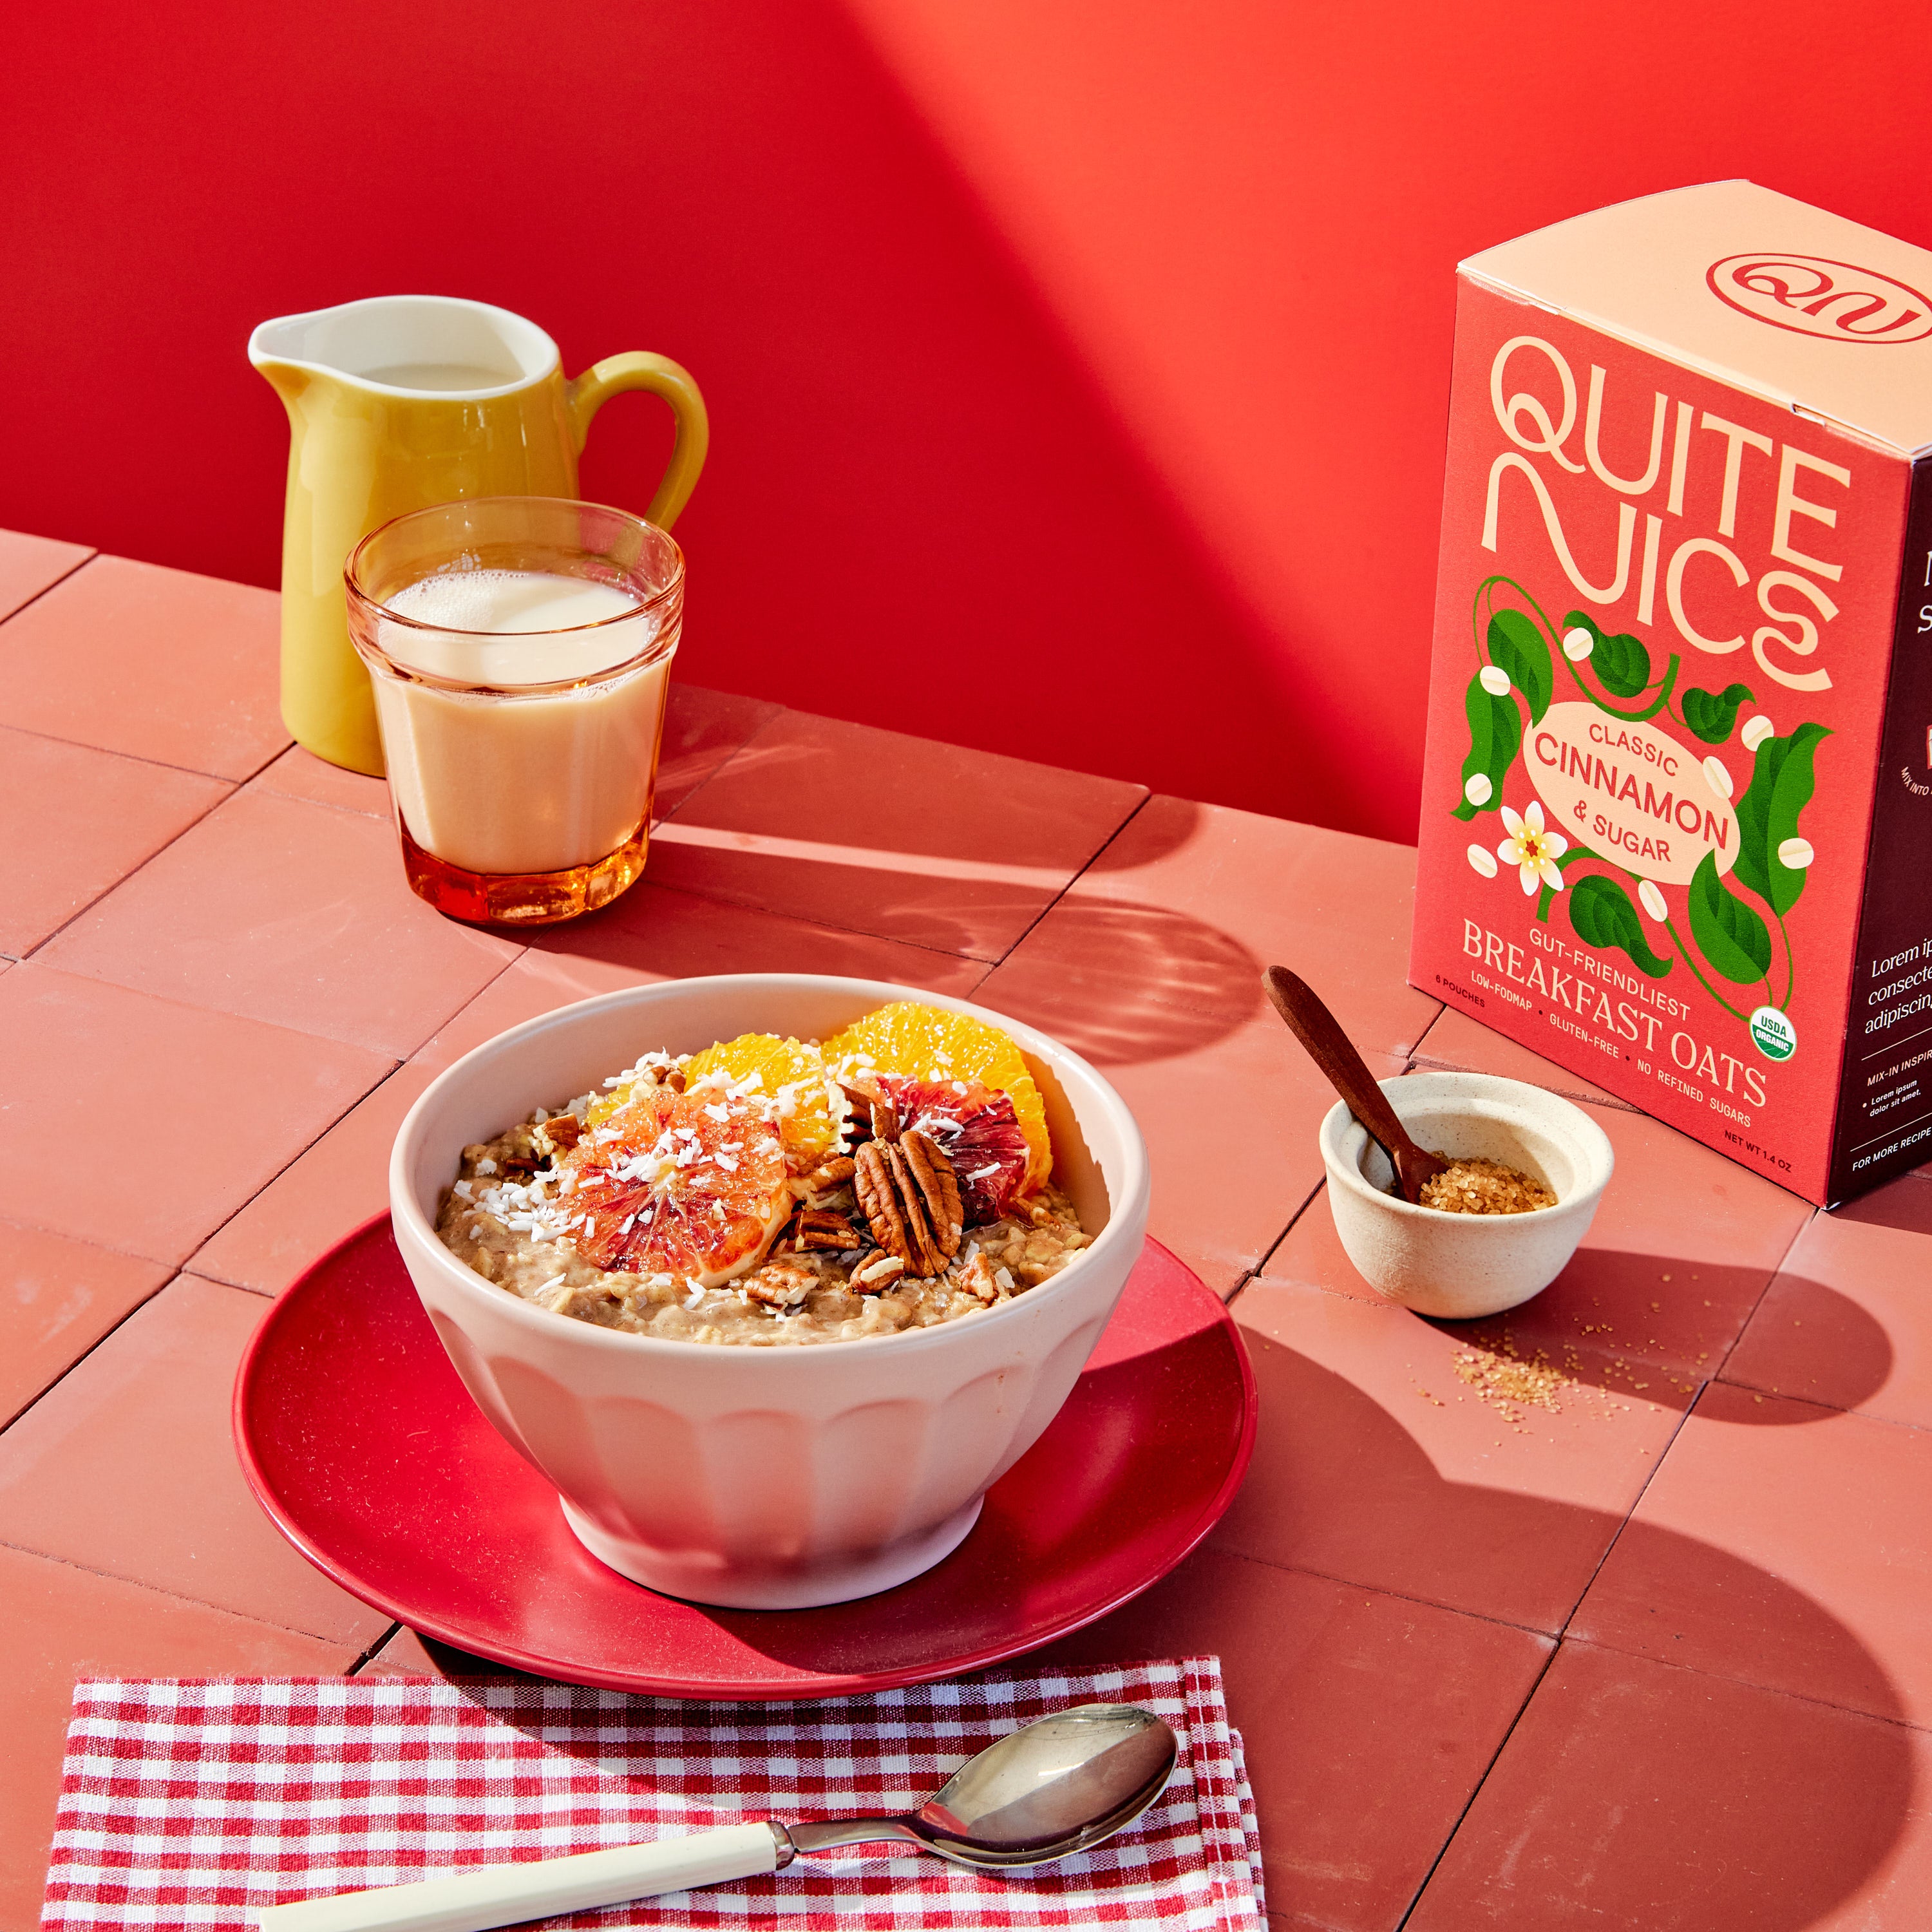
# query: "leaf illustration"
1782,781
1620,661
1601,915
1711,714
1517,646
1732,937
1496,730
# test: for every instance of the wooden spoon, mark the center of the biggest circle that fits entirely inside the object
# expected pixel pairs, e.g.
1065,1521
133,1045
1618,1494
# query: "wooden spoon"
1332,1050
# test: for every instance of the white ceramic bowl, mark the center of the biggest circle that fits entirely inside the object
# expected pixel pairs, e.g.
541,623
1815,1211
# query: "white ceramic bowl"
762,1478
1465,1265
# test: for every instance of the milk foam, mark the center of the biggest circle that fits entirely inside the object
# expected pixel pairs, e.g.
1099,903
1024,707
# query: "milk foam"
477,612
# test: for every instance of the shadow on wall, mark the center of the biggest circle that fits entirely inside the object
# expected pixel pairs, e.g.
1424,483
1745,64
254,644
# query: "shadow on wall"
919,510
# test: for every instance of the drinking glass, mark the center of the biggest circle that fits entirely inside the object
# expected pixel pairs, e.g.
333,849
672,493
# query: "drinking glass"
521,761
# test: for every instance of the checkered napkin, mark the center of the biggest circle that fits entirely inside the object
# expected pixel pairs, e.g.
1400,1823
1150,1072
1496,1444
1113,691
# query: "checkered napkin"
195,1802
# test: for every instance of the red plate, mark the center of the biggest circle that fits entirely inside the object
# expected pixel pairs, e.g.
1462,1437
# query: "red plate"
370,1457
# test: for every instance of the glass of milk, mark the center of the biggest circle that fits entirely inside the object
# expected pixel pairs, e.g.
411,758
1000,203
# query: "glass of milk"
520,648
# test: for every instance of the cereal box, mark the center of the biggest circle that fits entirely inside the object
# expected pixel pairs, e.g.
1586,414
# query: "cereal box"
1677,805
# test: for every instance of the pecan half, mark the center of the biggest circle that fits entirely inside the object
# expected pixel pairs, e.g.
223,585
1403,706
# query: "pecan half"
820,1227
778,1286
825,1180
910,1198
563,1130
939,1190
868,1117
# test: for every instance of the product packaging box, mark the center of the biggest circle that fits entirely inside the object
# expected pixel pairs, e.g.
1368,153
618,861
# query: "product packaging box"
1677,805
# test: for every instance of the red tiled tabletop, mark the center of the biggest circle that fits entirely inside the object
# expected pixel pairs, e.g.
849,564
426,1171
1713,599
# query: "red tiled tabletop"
1650,1653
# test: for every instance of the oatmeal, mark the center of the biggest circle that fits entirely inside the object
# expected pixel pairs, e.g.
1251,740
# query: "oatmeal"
1477,1186
769,1192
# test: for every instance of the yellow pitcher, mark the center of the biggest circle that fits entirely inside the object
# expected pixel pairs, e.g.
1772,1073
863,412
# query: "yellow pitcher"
407,401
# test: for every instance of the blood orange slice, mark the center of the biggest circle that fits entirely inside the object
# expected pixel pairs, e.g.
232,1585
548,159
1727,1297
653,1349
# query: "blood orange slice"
690,1184
975,1128
932,1043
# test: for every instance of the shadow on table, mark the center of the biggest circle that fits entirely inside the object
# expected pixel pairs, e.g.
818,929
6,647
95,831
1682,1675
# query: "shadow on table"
1905,1204
1637,1325
1630,1791
1663,1797
1123,984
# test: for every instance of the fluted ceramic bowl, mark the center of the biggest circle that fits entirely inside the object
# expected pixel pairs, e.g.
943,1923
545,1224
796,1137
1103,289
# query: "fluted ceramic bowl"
762,1478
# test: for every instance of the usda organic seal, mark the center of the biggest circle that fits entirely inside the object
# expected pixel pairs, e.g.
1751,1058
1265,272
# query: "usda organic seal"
1773,1033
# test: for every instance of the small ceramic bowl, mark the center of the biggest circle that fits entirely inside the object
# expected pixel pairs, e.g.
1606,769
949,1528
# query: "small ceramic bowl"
762,1478
1465,1265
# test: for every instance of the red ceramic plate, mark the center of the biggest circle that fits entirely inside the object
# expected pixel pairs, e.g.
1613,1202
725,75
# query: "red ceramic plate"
369,1454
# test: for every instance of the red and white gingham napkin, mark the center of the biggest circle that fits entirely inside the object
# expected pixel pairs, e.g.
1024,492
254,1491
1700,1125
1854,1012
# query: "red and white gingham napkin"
195,1802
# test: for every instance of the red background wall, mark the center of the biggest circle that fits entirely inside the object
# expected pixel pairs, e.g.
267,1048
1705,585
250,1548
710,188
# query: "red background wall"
1077,368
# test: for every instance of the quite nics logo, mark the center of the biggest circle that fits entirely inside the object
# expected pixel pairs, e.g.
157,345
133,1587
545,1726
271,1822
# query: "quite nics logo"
1811,295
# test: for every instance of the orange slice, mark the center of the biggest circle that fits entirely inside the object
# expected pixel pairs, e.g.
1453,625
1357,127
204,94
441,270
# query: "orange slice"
930,1043
791,1074
694,1185
619,1094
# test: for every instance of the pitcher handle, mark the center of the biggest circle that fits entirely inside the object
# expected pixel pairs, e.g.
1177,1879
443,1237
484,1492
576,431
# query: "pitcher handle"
640,370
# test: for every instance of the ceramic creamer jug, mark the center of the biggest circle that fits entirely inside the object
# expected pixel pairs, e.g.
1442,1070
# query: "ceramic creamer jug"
403,401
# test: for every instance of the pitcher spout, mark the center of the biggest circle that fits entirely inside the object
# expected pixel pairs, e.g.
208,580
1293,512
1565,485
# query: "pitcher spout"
403,346
274,349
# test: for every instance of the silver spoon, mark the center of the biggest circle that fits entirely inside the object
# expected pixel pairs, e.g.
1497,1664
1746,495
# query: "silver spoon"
1056,1786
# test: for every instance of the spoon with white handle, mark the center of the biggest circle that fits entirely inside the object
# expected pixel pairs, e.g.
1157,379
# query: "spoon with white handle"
1058,1785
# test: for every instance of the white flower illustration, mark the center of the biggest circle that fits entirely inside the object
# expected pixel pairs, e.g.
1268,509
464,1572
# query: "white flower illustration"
1494,680
1796,852
1578,644
1484,859
1479,790
1652,900
1756,731
1532,850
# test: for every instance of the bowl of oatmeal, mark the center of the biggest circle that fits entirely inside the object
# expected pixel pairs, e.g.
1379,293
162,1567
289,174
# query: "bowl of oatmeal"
1527,1170
772,1275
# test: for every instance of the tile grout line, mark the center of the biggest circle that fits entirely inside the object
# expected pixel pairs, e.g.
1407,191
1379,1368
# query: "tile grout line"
1261,1267
1750,1683
1562,1636
181,1271
1825,1409
1419,1063
176,1596
396,1067
724,763
829,925
1395,1596
138,758
1440,1008
73,570
369,1655
1718,1367
85,1241
127,1315
107,891
819,924
1475,1790
1079,873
